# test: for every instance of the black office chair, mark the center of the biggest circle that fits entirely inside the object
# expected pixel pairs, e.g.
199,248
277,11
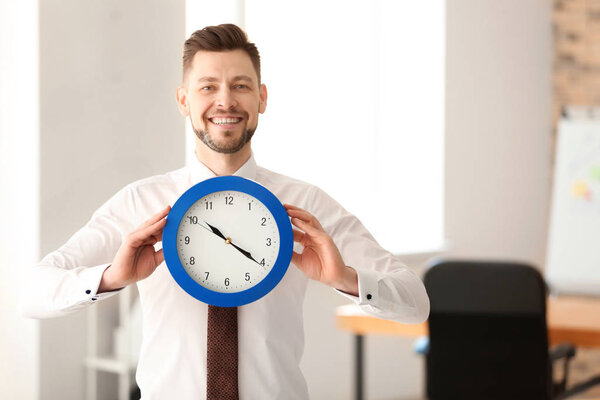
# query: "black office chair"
487,334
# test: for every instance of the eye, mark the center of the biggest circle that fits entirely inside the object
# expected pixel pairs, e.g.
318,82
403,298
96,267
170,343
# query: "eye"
206,88
241,86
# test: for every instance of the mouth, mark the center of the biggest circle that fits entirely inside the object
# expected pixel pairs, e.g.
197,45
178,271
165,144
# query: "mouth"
225,121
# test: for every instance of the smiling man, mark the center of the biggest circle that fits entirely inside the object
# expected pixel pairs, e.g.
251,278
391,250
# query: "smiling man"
222,94
224,120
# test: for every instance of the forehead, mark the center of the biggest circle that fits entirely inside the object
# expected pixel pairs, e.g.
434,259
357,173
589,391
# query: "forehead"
221,65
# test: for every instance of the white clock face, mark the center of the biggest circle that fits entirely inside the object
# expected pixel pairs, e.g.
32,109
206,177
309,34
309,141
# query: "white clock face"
228,241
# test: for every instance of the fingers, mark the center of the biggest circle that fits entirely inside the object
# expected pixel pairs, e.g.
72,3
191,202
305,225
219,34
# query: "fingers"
296,210
156,235
157,217
300,215
296,258
304,215
306,227
150,231
148,235
298,236
159,257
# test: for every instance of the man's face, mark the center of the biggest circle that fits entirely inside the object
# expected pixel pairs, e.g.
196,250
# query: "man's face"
223,98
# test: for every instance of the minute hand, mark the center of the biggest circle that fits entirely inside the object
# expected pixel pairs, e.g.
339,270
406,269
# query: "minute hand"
244,252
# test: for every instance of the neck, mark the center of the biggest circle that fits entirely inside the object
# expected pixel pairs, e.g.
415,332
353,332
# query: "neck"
219,163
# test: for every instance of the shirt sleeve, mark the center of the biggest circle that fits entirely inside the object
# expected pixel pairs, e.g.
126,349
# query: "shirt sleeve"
68,278
386,287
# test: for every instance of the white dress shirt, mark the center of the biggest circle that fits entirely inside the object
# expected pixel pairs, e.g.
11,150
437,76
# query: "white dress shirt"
172,363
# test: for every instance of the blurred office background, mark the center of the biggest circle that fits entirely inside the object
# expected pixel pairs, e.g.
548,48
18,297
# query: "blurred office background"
433,121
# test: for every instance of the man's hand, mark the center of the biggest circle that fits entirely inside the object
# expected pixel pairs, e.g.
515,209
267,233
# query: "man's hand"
136,258
320,260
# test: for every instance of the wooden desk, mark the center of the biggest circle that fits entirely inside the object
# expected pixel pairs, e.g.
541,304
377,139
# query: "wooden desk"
569,319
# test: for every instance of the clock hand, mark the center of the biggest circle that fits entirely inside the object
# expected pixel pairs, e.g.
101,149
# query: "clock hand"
244,252
208,229
216,231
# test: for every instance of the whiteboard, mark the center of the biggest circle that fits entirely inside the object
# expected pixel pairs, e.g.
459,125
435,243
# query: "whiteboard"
573,256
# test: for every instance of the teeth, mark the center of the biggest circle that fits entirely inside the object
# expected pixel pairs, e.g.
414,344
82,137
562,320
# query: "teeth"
225,121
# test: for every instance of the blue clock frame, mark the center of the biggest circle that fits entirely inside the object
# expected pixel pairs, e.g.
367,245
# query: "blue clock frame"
218,184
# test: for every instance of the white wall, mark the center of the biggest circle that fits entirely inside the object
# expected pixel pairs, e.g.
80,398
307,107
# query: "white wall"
108,72
498,127
19,200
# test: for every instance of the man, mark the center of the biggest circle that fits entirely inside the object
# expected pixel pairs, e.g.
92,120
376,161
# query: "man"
222,94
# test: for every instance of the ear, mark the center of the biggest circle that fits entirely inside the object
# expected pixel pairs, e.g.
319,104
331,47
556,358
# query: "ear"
182,101
263,99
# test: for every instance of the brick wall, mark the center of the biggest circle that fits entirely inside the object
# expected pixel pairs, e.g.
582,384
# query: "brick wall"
576,78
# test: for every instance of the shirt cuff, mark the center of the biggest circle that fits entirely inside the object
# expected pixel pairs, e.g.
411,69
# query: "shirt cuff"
90,279
368,292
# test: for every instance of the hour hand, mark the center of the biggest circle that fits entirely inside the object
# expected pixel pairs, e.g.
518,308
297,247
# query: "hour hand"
216,231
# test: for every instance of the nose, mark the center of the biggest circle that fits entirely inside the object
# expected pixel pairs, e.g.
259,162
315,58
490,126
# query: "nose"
225,99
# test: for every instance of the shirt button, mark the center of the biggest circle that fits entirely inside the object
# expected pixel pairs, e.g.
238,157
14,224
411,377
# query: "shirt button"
88,291
369,297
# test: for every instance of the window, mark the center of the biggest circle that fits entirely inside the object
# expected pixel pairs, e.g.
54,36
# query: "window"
356,106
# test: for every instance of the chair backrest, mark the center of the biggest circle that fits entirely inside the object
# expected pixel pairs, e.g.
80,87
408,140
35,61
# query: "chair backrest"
487,332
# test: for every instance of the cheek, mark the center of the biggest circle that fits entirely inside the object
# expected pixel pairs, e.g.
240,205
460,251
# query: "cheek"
253,107
198,109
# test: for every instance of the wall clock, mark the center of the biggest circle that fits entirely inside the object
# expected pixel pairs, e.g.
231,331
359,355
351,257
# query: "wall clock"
228,241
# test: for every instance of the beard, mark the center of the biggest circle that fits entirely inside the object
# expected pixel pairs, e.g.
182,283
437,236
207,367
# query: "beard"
228,147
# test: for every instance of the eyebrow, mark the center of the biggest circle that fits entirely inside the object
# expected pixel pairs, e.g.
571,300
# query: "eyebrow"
242,78
211,79
207,79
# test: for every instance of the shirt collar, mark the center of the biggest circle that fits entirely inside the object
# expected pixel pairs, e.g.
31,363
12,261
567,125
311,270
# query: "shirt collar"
201,172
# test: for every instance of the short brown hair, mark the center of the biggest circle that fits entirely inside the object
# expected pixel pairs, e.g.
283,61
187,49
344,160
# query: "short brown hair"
219,38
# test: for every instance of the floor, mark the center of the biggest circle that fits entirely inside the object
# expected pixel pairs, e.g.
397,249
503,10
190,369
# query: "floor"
585,365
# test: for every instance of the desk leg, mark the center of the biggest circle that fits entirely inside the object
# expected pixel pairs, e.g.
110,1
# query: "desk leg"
359,367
